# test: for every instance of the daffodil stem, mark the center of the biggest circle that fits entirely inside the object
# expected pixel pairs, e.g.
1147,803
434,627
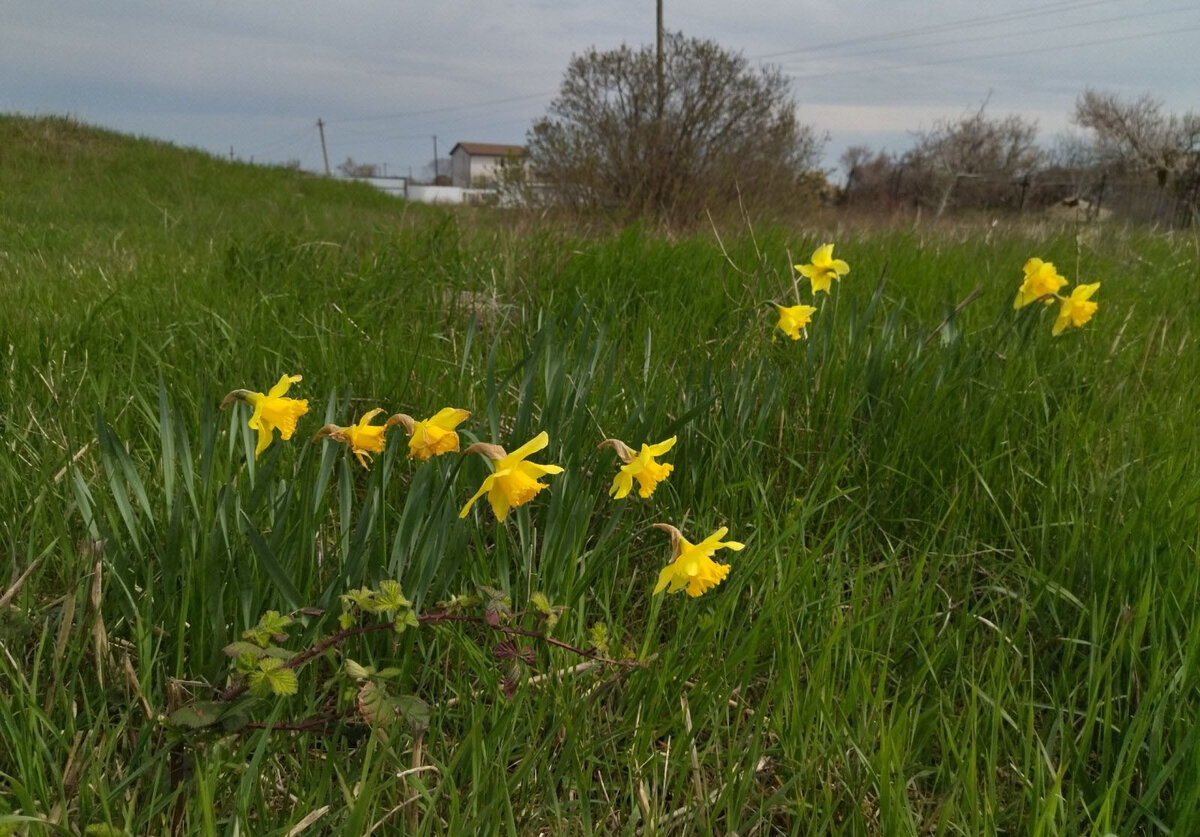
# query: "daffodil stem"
967,300
509,630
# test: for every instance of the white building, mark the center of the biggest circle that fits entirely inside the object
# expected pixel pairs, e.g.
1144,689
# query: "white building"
476,164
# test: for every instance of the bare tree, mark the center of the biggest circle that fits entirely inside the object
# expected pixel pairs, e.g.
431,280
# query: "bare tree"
1139,135
999,154
873,176
724,128
349,168
437,171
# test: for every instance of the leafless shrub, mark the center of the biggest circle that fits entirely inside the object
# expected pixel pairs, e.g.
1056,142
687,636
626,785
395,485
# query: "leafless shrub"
720,129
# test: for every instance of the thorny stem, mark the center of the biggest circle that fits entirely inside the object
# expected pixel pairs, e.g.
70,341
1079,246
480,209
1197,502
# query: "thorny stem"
336,638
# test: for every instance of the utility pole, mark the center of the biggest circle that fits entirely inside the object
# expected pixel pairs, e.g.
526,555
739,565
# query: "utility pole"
435,161
324,153
658,64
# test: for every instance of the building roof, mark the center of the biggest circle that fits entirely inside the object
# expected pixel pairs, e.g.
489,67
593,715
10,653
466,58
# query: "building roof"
490,149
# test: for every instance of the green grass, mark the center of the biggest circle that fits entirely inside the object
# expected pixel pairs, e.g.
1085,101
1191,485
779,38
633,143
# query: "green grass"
967,604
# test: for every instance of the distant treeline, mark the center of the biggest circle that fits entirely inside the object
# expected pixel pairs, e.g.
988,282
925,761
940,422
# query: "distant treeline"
1134,161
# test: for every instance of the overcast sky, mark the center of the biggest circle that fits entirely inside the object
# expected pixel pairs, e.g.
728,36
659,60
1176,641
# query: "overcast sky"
386,76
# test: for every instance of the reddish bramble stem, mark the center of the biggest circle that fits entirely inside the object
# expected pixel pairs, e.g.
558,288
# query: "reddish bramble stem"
237,689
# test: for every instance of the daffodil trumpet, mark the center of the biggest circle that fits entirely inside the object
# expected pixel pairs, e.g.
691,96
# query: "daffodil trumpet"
363,438
691,567
513,481
823,269
272,411
640,466
433,436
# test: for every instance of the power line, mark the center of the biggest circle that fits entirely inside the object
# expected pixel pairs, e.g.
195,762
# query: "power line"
427,111
967,23
956,59
1020,33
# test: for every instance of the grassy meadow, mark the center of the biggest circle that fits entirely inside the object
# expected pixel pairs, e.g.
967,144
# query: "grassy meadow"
967,603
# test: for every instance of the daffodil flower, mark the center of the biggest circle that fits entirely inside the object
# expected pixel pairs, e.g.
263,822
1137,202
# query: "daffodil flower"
1041,282
823,269
513,482
435,435
691,564
1076,309
363,438
271,411
794,318
640,466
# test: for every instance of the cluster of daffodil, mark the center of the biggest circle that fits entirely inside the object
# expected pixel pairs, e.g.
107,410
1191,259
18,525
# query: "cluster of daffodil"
820,273
514,480
1043,283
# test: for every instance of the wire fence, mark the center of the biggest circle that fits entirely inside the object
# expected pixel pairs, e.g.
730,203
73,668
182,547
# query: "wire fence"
1137,197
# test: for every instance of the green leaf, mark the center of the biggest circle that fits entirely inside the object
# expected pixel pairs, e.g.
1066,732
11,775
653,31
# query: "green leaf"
599,637
356,671
104,830
541,603
415,711
236,649
203,713
390,596
272,679
274,623
547,612
376,706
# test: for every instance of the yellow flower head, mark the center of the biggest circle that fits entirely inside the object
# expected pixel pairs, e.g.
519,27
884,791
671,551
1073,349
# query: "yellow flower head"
435,435
1077,308
363,438
514,482
271,411
691,564
640,466
823,269
794,318
1041,282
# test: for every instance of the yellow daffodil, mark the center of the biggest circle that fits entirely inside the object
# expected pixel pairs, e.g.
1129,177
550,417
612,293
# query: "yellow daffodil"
435,435
1041,282
363,438
640,466
691,564
794,318
271,411
513,482
1077,308
823,269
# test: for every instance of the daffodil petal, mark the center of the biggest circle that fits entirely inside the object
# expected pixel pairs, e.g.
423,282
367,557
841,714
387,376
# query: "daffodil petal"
487,484
532,446
662,447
